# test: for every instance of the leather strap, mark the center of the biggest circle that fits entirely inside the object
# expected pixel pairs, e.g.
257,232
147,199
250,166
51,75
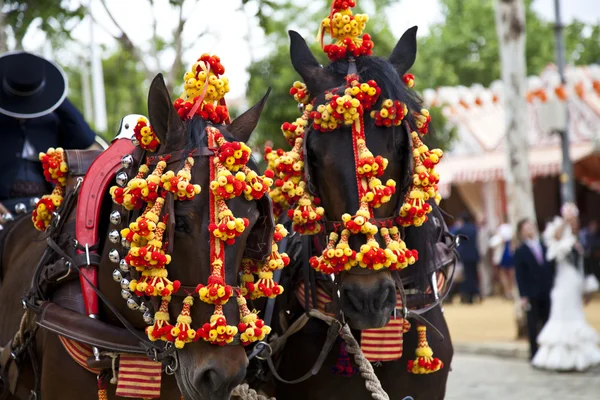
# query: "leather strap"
89,203
332,334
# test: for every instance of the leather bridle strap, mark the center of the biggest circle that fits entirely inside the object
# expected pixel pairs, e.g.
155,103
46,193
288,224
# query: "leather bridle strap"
332,334
153,351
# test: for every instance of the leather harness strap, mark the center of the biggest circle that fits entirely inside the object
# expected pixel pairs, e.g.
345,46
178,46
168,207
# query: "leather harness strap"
98,178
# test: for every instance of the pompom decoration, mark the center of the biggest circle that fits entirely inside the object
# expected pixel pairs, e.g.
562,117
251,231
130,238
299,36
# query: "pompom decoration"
182,332
251,327
347,31
131,197
216,331
422,120
300,92
424,362
161,328
145,135
180,184
216,292
409,80
55,171
306,216
392,113
204,89
336,257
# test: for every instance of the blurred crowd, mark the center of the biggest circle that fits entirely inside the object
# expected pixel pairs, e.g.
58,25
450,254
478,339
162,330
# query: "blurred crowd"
487,265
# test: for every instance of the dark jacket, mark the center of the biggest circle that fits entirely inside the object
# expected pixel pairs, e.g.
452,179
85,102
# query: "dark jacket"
534,280
65,127
468,249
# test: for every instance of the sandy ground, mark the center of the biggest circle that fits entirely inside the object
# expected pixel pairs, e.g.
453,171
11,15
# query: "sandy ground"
494,320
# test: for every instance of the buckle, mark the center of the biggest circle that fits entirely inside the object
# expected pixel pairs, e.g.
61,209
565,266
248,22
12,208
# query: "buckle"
264,346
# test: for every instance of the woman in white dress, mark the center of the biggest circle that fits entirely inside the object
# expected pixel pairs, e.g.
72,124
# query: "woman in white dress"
567,342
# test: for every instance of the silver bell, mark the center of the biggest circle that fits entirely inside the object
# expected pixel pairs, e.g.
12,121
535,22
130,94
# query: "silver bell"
20,208
33,202
114,256
124,283
125,243
123,265
126,161
126,294
117,275
148,319
143,307
134,141
122,178
7,217
115,217
132,304
114,236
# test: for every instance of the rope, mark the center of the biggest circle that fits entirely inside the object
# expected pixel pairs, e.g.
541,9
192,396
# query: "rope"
244,392
372,383
27,322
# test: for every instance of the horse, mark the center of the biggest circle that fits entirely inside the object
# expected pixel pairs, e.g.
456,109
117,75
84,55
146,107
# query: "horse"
367,298
202,371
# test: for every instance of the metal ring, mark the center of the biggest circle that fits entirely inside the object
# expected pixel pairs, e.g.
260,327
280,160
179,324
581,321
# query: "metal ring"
172,367
264,345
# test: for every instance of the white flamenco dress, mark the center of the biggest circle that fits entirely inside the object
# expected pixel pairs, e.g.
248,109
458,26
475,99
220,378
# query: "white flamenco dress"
567,342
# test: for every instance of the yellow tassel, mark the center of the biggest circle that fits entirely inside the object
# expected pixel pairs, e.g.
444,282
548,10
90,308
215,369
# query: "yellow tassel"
424,363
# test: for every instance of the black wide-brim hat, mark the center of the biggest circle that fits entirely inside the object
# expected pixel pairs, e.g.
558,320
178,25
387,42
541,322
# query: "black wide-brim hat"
30,86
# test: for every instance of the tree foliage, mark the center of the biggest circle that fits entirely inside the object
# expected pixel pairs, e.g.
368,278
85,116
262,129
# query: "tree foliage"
55,18
276,69
124,83
463,49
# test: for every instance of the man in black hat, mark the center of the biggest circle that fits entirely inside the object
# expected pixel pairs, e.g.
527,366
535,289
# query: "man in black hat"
35,115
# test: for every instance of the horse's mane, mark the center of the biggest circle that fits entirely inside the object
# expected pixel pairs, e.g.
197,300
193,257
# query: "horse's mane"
379,69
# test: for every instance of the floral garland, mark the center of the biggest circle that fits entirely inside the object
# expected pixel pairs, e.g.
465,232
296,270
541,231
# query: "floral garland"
348,108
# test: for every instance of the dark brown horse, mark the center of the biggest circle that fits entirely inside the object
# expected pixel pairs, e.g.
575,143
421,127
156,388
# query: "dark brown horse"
204,371
367,298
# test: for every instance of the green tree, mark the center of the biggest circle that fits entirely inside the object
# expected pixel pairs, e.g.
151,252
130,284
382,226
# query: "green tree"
463,48
124,89
56,18
276,70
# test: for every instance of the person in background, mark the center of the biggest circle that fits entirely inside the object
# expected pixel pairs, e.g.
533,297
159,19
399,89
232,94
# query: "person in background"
485,265
587,234
35,115
469,257
534,280
567,342
503,258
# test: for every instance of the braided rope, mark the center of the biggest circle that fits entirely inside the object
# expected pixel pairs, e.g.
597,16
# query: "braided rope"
372,383
244,392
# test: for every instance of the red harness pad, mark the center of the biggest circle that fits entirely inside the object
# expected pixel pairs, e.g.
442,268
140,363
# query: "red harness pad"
89,203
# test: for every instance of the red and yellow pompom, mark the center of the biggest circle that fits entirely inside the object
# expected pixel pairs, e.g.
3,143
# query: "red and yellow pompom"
180,184
306,216
300,92
55,166
347,29
371,256
55,171
182,332
422,120
403,256
228,228
336,257
131,197
392,113
154,282
217,331
45,207
409,80
251,327
145,135
216,292
161,327
424,362
266,286
257,185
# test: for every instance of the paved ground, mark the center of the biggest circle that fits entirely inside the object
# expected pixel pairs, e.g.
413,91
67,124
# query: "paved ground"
476,377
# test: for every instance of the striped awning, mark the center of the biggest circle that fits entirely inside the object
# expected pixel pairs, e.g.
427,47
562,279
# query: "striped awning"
492,166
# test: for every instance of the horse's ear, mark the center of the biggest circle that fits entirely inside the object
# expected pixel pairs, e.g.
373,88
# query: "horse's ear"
164,119
316,78
242,127
404,54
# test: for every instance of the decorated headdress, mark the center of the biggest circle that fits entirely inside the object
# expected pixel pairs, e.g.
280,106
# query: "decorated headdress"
349,106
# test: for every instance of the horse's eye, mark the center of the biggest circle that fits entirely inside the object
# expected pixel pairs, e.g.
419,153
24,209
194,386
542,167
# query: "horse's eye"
181,224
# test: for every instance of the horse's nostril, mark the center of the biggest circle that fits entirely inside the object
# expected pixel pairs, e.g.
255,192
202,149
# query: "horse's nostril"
353,300
208,381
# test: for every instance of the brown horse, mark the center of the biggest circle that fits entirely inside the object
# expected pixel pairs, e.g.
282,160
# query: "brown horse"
204,371
367,298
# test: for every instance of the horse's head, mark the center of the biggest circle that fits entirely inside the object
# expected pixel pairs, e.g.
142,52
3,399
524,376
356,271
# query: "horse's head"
367,297
206,371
